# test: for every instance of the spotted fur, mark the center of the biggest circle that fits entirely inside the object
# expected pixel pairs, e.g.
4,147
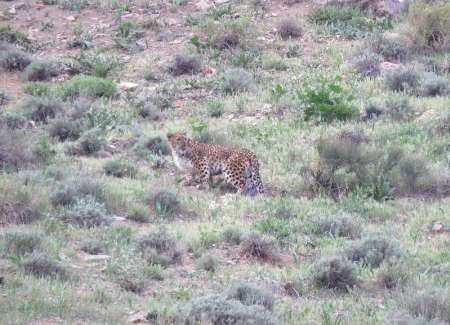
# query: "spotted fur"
240,167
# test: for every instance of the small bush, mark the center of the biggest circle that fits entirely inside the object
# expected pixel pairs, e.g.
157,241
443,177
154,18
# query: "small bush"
150,112
40,71
74,5
152,145
68,194
430,303
86,213
64,195
219,310
215,109
38,88
412,175
232,235
159,248
326,100
65,129
402,79
41,265
15,121
93,246
87,86
260,247
397,108
41,109
185,64
13,59
374,250
165,203
433,85
20,204
231,33
250,295
403,318
126,35
271,61
393,276
341,225
14,150
138,213
90,143
11,36
207,262
237,80
389,50
21,243
334,272
120,168
4,98
429,25
367,64
290,28
96,64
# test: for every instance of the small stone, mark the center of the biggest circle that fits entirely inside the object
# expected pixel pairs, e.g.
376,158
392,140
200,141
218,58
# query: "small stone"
71,18
128,86
386,66
138,318
437,227
12,10
203,5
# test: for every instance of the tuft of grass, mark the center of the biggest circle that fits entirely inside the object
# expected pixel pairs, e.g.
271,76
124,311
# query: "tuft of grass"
152,145
231,33
38,88
90,143
11,36
120,168
96,64
64,129
165,203
207,262
403,318
434,85
334,272
250,295
41,265
40,71
373,250
159,248
341,225
388,49
260,247
290,28
86,213
74,5
87,86
150,112
93,246
20,243
232,235
126,34
430,303
237,80
185,64
393,276
14,153
396,107
12,58
139,213
367,64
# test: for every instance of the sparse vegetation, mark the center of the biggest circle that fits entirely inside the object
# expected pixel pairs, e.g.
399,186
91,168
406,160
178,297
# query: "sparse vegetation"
334,272
21,243
41,265
249,295
165,203
402,79
237,80
159,248
260,247
290,28
41,109
120,168
13,59
40,71
207,262
184,64
86,213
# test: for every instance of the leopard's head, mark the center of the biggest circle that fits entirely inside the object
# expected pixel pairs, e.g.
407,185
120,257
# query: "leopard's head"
180,144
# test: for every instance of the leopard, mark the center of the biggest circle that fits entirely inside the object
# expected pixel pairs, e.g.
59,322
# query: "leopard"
240,167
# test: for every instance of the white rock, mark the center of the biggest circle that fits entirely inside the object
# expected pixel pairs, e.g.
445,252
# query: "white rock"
203,5
386,66
138,318
71,18
128,86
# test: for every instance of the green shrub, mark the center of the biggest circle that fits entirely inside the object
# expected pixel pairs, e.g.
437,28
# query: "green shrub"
93,246
393,276
326,100
65,129
219,310
373,250
411,175
86,213
15,121
402,79
87,86
429,25
237,80
15,152
11,36
215,109
334,272
13,59
81,187
232,235
367,64
165,203
126,35
185,64
276,227
96,64
395,107
341,225
260,247
152,145
430,303
40,71
289,28
38,88
159,248
347,21
120,168
207,262
433,85
250,295
388,49
138,213
90,143
42,265
231,33
41,109
273,62
20,243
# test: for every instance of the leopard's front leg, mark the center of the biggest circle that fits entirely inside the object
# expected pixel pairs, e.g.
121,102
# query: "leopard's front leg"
202,169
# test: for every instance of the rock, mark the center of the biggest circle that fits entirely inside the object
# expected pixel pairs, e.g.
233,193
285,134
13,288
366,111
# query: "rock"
221,1
437,227
427,115
96,258
71,18
12,10
387,66
138,318
203,5
128,86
